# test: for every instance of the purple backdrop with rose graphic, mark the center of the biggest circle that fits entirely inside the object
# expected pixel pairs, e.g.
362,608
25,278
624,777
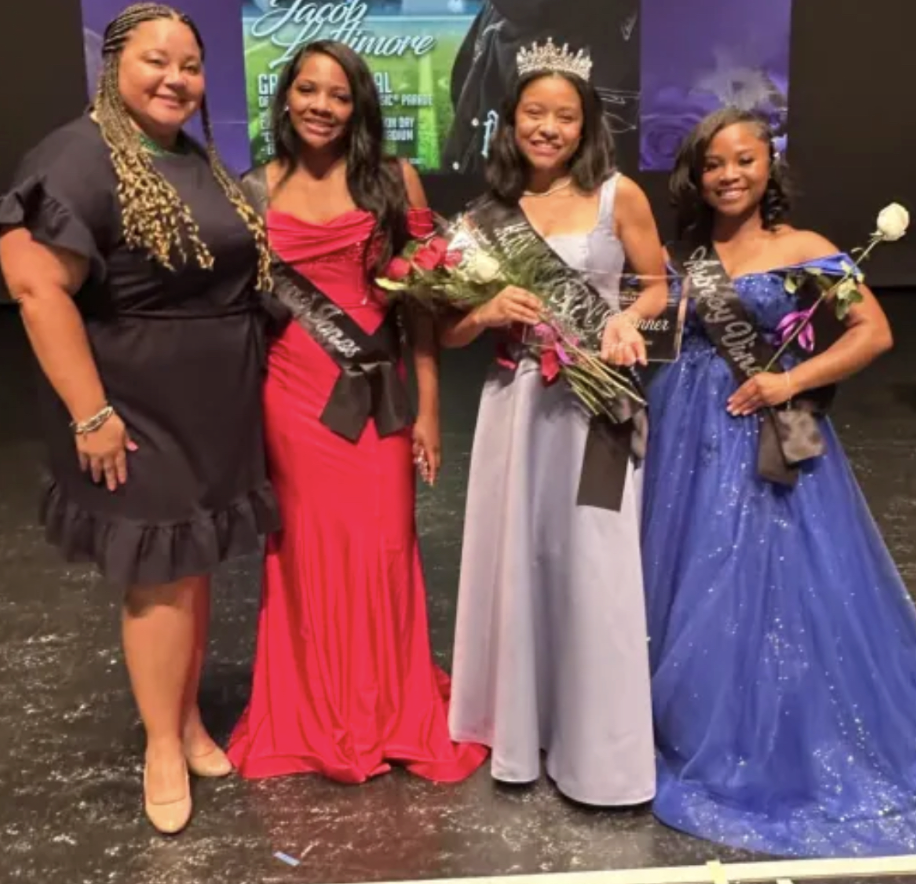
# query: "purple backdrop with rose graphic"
700,55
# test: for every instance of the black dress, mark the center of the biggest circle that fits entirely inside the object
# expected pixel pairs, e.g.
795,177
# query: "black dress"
179,355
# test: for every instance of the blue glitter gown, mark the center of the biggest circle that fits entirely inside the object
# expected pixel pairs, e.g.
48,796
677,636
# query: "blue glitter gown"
782,638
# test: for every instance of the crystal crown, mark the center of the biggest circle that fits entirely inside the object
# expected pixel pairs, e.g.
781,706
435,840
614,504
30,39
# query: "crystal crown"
551,59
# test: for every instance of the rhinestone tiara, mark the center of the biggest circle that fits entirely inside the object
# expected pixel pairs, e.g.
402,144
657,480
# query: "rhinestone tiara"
550,59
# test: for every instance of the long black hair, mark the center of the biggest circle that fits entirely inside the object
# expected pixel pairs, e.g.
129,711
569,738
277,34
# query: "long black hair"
592,163
375,181
694,215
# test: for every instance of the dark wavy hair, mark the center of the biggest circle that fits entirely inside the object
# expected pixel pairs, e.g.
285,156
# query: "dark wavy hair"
694,215
591,165
375,180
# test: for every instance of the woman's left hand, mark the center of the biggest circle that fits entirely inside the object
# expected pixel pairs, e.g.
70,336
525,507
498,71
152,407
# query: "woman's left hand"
621,343
427,446
763,390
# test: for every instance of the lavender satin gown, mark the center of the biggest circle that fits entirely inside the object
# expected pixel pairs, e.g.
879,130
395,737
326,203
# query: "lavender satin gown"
550,648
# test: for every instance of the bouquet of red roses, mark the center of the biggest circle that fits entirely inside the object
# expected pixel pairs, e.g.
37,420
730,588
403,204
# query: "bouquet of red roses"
461,271
440,273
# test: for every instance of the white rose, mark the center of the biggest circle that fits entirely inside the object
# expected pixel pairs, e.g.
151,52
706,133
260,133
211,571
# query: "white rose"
893,222
481,268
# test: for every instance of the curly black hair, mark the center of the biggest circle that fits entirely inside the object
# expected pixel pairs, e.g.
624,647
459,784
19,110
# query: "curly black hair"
593,162
694,215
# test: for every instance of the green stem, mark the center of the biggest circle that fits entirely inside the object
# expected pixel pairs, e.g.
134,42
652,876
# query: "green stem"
585,379
592,404
613,378
592,401
824,295
599,386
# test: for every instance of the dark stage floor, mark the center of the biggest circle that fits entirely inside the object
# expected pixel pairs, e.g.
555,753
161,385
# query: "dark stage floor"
70,744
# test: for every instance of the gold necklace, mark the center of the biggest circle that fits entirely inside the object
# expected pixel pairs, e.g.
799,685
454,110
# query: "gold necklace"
562,184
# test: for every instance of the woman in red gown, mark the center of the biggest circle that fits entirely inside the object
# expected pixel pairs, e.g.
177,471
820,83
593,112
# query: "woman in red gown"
344,680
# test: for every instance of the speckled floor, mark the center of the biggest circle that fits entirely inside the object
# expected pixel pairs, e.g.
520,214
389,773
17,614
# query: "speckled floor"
70,742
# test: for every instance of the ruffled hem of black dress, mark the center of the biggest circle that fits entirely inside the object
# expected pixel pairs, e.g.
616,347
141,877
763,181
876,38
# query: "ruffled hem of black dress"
131,553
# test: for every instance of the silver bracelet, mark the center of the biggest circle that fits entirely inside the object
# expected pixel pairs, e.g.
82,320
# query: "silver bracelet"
81,428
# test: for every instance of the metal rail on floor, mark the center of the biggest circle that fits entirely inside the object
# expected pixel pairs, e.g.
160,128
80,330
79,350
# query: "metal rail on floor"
776,872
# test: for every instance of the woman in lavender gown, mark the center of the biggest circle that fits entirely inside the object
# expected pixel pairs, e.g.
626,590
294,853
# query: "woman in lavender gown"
550,647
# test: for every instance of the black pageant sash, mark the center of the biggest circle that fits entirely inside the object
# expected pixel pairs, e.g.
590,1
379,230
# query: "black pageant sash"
369,384
789,435
505,230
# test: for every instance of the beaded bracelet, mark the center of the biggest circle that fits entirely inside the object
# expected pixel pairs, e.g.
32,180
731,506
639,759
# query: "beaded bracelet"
82,428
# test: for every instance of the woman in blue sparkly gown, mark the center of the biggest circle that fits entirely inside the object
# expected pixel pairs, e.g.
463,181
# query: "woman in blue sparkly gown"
783,641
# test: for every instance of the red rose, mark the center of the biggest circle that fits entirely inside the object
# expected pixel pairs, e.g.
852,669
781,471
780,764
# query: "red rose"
397,269
452,258
426,258
438,245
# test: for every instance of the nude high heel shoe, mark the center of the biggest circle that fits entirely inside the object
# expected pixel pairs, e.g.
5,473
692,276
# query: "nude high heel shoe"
214,763
168,817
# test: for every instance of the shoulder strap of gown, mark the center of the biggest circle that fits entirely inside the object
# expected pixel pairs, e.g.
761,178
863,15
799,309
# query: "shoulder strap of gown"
607,199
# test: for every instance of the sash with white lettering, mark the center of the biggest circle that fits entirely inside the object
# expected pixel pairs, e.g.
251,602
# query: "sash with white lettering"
369,384
789,435
504,230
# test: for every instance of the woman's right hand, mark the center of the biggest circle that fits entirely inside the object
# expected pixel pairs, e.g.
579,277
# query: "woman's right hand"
103,452
511,305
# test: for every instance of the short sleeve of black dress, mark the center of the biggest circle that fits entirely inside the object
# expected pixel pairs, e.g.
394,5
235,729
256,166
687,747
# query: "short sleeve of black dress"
56,194
179,352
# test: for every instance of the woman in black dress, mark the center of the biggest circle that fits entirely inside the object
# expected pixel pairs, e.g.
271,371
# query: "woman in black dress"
136,261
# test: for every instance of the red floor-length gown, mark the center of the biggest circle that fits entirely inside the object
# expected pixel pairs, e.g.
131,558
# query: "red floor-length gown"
344,680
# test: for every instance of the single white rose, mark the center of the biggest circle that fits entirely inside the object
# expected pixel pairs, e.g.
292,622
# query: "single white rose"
481,268
893,222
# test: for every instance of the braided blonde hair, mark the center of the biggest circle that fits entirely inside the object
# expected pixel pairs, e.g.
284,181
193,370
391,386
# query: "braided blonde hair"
154,216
